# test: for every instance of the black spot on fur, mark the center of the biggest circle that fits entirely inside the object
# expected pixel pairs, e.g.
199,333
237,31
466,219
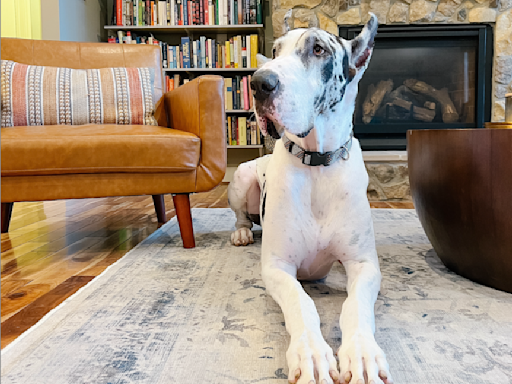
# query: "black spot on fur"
263,206
327,70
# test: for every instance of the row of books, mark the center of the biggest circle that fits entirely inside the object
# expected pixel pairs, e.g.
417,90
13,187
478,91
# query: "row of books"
186,12
242,131
237,52
236,90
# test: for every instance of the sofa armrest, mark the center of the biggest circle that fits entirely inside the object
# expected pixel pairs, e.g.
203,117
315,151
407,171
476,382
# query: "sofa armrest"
198,107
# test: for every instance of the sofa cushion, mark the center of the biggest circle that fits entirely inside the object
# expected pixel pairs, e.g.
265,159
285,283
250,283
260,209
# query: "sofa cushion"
36,95
54,149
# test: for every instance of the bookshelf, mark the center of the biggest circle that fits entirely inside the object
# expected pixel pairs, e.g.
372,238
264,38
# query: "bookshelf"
172,36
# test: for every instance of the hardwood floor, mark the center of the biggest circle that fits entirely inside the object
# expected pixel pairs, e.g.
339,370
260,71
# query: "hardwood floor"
54,248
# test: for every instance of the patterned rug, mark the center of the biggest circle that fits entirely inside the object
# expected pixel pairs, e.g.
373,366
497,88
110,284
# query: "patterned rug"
163,314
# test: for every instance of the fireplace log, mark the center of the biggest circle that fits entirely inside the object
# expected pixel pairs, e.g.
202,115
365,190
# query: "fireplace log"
374,99
430,105
402,103
423,114
450,114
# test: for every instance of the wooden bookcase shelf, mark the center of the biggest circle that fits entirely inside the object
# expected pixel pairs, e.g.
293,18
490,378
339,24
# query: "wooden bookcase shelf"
239,111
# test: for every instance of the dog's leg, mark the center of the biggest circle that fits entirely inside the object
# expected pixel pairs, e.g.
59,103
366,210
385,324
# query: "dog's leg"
243,197
359,353
310,358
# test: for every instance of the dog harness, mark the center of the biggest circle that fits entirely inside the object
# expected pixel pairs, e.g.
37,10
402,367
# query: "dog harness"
316,158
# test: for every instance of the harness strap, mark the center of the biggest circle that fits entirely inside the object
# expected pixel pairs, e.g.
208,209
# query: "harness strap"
316,158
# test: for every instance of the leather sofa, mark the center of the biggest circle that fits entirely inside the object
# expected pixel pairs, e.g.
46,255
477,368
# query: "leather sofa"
186,153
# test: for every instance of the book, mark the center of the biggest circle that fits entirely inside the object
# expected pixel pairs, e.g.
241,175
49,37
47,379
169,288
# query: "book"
246,94
252,11
228,128
254,51
235,53
259,16
176,80
228,84
244,53
248,50
242,130
238,92
240,11
249,78
234,131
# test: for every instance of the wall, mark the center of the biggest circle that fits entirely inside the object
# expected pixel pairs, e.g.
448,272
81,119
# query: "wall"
21,18
82,20
328,14
50,19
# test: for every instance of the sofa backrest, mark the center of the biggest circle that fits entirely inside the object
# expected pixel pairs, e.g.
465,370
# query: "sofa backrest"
84,55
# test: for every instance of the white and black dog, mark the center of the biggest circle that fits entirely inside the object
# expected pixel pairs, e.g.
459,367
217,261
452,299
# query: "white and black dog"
310,197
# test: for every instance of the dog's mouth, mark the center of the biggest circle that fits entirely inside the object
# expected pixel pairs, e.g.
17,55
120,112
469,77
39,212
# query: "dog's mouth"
268,127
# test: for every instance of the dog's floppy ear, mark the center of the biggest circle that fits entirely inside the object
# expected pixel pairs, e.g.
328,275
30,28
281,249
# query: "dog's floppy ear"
362,45
261,60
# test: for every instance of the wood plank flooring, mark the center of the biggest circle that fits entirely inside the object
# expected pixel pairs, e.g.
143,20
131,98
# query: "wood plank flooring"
54,248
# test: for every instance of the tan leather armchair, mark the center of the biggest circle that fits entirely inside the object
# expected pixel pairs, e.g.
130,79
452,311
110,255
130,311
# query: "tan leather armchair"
186,153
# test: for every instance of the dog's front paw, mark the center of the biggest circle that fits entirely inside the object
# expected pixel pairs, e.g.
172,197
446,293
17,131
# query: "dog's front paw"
242,236
361,357
311,361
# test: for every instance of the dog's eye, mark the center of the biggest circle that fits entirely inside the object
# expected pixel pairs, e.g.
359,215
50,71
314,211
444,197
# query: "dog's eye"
273,53
318,50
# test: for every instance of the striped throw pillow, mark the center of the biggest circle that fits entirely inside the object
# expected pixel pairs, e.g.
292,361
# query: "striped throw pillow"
35,95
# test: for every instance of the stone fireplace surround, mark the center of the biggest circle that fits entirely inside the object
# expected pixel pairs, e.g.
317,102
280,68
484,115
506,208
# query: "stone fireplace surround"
388,170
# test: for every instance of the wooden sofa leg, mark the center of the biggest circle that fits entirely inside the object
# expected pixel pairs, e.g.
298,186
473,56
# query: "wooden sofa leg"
6,216
159,202
182,206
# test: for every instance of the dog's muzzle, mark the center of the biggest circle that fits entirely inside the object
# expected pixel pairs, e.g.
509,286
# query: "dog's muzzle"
264,84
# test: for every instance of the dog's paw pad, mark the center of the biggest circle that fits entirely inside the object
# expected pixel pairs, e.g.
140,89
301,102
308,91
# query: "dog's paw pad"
242,236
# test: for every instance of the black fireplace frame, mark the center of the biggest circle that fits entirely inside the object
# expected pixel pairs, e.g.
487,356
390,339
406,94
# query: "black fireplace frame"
392,136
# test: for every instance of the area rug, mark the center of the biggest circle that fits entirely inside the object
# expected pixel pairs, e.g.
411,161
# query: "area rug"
163,314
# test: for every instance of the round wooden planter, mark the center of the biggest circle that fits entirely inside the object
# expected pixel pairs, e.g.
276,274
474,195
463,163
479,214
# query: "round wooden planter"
461,185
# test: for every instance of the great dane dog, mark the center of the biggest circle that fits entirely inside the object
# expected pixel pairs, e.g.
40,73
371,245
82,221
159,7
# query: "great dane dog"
310,197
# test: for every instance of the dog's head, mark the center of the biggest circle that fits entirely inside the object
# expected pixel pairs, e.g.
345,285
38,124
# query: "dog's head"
311,74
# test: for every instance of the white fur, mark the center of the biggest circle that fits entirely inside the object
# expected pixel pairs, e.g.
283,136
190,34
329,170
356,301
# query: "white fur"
315,216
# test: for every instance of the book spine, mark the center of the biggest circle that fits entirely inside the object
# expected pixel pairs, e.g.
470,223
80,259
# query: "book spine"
247,7
119,12
185,46
135,7
239,92
244,53
249,78
254,51
259,16
211,13
185,12
190,14
225,11
246,94
206,13
235,46
252,11
228,129
248,50
164,56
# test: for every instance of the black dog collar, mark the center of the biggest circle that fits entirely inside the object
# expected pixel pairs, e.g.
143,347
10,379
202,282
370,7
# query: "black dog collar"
316,158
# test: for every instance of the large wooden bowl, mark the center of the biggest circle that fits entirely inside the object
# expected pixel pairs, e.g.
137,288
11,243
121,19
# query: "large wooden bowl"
461,185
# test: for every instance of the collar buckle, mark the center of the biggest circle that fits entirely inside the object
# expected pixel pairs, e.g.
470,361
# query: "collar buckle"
315,158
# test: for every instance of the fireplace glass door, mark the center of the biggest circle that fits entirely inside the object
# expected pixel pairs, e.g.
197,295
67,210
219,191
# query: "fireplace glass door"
420,78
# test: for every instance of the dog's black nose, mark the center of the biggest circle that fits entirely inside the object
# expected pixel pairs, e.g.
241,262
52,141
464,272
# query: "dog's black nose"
264,83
